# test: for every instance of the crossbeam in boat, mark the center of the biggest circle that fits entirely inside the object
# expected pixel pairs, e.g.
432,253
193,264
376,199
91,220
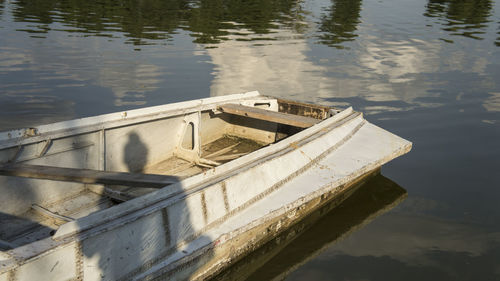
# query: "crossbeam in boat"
267,115
87,175
49,213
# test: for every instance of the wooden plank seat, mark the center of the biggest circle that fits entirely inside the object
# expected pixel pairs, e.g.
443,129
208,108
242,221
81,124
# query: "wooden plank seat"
271,116
87,175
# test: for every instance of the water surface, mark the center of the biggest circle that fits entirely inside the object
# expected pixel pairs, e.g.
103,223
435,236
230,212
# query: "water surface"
426,70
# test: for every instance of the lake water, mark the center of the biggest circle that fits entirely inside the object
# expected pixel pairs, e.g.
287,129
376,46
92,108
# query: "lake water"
427,70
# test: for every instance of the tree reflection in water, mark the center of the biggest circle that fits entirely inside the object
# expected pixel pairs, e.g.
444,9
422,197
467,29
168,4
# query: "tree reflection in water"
340,23
148,20
467,18
210,20
497,42
1,8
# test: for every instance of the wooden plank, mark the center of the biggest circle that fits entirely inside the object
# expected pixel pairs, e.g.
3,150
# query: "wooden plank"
304,109
229,156
50,214
271,116
222,151
87,176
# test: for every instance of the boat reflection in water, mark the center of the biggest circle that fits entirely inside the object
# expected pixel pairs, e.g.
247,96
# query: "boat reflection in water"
317,232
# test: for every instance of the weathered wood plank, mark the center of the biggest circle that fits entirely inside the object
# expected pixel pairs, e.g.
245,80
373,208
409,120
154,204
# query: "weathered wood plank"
87,176
50,214
229,156
271,116
222,151
304,109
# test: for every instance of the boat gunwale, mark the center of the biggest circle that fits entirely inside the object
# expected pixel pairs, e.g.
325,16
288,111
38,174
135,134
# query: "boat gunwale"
199,181
195,183
118,119
127,213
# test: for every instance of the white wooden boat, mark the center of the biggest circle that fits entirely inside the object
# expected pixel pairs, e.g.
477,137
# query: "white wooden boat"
177,191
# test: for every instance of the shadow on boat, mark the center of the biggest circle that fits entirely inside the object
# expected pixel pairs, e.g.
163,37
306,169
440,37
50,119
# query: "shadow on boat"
317,232
125,252
10,239
115,248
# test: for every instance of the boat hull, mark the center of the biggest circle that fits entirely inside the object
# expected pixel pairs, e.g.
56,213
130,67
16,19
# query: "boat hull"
331,179
195,227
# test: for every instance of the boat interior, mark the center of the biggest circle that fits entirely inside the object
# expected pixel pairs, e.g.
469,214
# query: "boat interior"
65,175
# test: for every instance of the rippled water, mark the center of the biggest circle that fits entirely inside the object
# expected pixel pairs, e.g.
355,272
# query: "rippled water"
427,70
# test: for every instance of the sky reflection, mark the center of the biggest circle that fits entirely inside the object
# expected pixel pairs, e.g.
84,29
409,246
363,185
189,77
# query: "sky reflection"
492,103
277,67
278,47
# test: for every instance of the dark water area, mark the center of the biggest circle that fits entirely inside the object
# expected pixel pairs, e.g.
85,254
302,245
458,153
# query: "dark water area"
427,70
